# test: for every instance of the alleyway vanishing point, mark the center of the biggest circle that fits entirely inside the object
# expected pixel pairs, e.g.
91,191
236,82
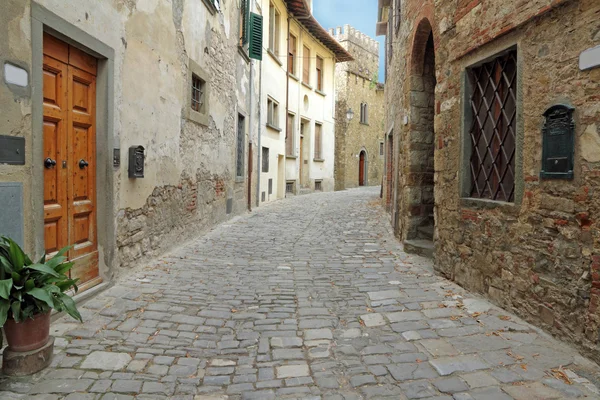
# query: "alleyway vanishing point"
307,298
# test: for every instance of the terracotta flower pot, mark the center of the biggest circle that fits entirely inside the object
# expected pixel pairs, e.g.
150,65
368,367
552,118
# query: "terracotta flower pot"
27,335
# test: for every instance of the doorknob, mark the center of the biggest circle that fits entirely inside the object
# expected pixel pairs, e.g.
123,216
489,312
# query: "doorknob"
83,163
49,163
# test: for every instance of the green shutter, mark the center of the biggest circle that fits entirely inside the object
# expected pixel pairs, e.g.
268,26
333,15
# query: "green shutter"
256,37
245,23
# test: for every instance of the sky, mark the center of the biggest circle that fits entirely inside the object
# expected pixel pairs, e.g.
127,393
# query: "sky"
361,14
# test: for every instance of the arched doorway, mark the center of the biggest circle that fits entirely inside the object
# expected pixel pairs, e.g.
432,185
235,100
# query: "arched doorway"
362,168
420,222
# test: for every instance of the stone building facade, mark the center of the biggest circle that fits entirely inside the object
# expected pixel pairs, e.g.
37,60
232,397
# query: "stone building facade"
358,142
81,85
470,91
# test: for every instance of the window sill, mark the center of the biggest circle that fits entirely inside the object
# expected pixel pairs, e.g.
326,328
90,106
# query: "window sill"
240,179
291,157
199,118
294,77
307,85
211,6
320,92
273,127
274,57
485,204
244,53
318,160
364,123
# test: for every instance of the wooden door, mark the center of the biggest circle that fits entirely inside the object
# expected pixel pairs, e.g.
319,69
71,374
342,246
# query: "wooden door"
361,169
70,156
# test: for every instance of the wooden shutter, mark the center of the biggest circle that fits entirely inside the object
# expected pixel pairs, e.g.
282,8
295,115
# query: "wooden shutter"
306,65
319,73
318,142
256,38
292,55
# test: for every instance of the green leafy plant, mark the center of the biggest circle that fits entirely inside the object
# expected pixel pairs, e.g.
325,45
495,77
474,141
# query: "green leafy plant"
28,288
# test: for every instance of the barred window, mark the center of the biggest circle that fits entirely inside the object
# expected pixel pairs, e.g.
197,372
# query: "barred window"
241,139
493,106
265,159
198,84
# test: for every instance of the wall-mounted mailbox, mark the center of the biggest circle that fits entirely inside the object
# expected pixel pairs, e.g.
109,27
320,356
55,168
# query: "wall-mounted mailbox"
12,150
136,161
558,143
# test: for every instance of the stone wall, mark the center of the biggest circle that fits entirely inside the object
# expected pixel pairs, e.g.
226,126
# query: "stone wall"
538,256
356,84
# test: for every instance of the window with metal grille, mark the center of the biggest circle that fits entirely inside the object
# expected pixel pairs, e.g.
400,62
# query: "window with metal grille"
244,21
265,159
289,140
318,142
271,186
197,103
274,29
241,139
292,55
306,65
319,73
493,107
272,113
381,149
289,186
319,185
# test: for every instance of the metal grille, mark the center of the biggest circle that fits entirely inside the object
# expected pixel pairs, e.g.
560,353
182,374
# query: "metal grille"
319,185
241,136
493,135
289,187
265,159
197,93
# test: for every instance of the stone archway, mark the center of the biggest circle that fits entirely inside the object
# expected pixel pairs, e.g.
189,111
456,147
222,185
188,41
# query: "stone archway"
419,221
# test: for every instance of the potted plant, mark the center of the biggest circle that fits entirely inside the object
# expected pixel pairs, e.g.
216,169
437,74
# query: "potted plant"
29,291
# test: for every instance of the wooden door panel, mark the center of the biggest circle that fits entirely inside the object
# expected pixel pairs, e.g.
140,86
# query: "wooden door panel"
55,147
82,140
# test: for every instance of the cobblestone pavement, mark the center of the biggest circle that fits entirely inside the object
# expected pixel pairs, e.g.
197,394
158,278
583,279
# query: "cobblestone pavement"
307,298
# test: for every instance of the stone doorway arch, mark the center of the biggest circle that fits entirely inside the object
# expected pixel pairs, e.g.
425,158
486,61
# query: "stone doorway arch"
362,168
419,221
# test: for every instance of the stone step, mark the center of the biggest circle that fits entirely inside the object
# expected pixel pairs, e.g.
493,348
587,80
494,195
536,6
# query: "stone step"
425,232
421,247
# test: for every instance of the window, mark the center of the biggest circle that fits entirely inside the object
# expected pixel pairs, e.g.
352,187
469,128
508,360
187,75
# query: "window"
318,186
381,149
306,65
364,113
289,140
241,139
243,18
198,86
274,30
265,159
319,73
292,55
272,113
318,142
289,186
493,107
212,5
198,94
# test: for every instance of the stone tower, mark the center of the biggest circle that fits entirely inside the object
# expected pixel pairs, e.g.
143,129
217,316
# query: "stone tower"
359,142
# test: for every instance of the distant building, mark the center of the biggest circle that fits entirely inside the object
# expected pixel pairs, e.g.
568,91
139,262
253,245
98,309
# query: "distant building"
359,142
297,101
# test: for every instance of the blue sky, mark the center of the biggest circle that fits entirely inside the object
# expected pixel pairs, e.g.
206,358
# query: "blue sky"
361,14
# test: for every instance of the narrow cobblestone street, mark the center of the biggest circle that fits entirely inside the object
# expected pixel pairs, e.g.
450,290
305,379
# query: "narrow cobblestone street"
307,298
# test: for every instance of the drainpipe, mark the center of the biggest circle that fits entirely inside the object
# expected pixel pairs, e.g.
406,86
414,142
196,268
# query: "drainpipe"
287,104
259,148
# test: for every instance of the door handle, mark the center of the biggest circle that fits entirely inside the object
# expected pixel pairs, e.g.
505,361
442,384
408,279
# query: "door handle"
49,163
83,163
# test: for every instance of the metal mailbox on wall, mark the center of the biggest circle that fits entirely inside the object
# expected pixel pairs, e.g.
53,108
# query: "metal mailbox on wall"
558,143
136,161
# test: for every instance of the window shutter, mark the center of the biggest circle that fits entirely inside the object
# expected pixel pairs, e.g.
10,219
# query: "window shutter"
256,37
245,22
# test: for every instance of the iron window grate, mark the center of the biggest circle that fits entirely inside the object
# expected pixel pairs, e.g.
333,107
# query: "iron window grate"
197,93
319,185
289,187
493,129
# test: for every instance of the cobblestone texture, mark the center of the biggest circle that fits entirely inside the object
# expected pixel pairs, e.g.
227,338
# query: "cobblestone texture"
307,298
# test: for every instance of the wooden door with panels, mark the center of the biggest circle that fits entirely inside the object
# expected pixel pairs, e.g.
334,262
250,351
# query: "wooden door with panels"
69,134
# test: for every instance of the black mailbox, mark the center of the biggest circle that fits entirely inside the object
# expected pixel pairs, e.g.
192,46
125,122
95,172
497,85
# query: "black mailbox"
136,162
558,143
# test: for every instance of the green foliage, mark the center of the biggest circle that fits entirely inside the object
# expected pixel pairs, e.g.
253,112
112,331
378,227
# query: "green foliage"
374,80
28,289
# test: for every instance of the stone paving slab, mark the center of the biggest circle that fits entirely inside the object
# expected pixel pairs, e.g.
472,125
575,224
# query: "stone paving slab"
306,298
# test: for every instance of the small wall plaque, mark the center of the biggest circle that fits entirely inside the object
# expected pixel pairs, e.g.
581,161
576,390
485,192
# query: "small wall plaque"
12,150
558,143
